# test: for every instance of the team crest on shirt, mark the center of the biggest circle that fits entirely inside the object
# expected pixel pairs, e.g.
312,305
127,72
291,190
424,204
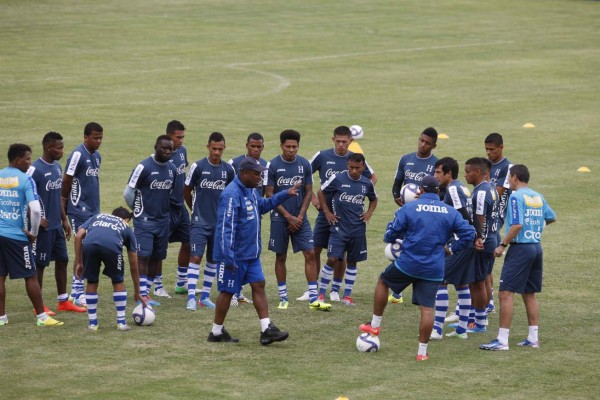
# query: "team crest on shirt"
300,169
223,174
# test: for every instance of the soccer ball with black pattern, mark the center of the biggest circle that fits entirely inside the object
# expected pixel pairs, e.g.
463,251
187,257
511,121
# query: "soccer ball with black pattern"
366,343
143,316
409,193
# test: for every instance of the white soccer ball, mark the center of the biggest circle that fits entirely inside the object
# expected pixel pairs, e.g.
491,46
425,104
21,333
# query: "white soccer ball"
393,250
357,132
409,193
366,343
143,316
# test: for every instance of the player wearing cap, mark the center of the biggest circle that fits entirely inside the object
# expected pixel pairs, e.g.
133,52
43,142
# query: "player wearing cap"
238,247
426,225
528,214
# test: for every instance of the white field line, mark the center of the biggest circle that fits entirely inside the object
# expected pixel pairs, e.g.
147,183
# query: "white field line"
281,82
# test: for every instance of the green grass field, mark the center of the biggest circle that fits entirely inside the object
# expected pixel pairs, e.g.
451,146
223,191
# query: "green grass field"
466,67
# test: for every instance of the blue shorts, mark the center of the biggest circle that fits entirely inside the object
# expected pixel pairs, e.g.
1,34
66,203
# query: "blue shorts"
354,246
94,255
201,238
49,246
16,259
424,291
321,232
179,224
231,279
152,239
459,267
523,267
280,237
483,262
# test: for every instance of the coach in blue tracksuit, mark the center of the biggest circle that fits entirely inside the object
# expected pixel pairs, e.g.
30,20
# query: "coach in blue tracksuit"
237,248
426,225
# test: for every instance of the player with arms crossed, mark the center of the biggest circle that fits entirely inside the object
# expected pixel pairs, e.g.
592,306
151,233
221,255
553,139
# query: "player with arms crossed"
328,163
288,220
51,243
18,197
81,189
528,213
348,219
105,235
426,225
238,246
148,194
204,184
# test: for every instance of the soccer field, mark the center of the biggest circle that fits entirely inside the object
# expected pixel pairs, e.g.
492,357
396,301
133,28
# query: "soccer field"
466,67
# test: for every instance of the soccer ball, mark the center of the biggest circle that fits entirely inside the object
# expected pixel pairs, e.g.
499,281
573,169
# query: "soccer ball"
143,316
366,343
409,193
357,132
393,250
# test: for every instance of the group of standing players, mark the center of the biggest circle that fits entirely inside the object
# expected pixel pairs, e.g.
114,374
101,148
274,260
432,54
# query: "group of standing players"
158,191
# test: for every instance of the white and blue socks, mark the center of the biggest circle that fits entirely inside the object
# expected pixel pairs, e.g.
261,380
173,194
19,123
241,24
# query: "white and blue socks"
312,291
210,271
76,287
282,288
464,308
480,318
193,273
92,305
325,278
120,300
144,285
158,283
349,280
441,308
181,276
336,284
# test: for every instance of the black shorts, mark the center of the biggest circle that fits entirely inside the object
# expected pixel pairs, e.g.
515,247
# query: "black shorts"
179,225
50,245
16,259
94,255
459,267
424,291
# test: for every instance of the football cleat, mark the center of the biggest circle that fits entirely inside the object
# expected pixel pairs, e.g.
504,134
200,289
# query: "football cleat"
234,301
68,306
123,327
283,305
304,297
321,297
151,302
49,322
48,311
494,345
93,327
334,296
224,337
319,305
272,334
3,321
161,293
527,343
367,328
394,300
80,301
455,334
476,329
181,289
206,303
435,335
244,299
347,300
451,318
422,357
191,305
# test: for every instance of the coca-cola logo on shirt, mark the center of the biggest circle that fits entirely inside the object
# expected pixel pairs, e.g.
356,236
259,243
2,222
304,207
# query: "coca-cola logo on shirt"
283,181
352,198
161,185
214,185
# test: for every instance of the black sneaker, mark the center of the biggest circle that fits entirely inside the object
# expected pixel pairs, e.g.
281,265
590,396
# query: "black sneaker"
272,334
223,337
